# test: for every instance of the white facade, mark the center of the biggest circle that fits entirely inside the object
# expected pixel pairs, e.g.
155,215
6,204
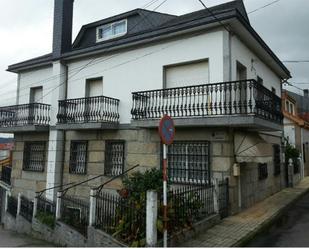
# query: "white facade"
147,68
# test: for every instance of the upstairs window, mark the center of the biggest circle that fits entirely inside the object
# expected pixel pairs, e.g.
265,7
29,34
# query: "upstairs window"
111,30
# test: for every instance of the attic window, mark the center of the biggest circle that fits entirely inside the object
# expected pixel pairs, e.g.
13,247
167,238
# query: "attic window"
111,30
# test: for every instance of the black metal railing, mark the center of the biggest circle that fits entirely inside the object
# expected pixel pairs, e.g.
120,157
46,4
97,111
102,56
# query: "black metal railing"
245,97
88,110
6,174
12,206
46,210
26,208
224,198
187,205
75,213
46,206
27,114
121,217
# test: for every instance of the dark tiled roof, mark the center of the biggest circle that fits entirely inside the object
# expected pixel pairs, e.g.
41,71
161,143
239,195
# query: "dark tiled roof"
159,25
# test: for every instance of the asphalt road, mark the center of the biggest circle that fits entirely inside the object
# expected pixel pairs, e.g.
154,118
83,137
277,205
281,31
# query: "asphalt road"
10,239
292,230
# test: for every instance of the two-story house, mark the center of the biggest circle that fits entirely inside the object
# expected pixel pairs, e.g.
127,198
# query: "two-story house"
296,125
93,106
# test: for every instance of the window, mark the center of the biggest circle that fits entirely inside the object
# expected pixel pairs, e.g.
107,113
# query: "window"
277,161
114,158
111,30
263,171
34,156
287,106
78,157
189,162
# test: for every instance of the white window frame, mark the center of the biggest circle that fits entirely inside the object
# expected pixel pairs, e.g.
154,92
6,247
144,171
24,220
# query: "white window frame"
111,25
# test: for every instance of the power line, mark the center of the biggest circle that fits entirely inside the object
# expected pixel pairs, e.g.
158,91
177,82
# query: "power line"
222,24
297,61
80,68
263,7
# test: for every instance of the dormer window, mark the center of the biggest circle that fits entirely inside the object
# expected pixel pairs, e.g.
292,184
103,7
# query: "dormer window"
111,30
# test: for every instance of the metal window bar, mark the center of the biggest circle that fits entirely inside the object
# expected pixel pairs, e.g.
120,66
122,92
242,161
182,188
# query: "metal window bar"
188,204
277,160
75,213
189,162
26,209
78,157
112,211
89,110
6,174
34,156
27,114
114,158
12,206
226,98
263,171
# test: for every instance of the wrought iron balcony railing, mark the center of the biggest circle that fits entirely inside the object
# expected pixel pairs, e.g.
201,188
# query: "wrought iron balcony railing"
24,115
6,174
99,109
245,97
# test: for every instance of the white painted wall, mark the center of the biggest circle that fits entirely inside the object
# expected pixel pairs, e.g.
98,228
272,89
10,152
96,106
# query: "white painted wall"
142,69
289,131
36,78
244,55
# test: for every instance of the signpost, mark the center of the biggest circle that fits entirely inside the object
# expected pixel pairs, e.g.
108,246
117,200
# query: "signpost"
167,134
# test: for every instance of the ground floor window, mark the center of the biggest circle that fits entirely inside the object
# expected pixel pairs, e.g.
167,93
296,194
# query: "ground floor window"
263,171
189,162
114,158
277,160
34,156
78,157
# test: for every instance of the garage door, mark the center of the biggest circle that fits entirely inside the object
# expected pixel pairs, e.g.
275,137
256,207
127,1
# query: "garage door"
187,75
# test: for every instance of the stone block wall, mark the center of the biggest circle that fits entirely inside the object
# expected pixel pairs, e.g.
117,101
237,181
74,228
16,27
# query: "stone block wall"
27,182
142,146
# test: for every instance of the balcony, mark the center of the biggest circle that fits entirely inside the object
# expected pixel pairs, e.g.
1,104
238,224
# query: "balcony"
6,174
235,104
27,117
88,113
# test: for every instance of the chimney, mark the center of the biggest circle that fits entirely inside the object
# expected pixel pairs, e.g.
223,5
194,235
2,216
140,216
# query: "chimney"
63,23
306,93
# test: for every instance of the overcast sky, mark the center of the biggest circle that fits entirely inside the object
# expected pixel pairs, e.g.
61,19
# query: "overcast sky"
26,29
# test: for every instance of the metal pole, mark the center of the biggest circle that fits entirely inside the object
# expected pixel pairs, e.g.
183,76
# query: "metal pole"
165,194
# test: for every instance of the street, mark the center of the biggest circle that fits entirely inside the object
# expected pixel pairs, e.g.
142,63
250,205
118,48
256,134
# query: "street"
289,231
11,239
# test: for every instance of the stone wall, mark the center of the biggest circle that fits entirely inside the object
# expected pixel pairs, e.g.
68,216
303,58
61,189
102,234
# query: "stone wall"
27,182
142,147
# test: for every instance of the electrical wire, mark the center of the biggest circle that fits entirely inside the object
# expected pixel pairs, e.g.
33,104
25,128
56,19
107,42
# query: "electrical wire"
80,68
263,7
222,24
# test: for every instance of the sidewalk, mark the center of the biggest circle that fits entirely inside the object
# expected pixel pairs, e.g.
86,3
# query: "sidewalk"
239,229
11,239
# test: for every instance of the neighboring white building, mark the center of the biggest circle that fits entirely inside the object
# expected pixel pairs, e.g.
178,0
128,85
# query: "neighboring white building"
218,80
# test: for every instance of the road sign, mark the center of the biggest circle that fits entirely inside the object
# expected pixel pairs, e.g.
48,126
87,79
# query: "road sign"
167,130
